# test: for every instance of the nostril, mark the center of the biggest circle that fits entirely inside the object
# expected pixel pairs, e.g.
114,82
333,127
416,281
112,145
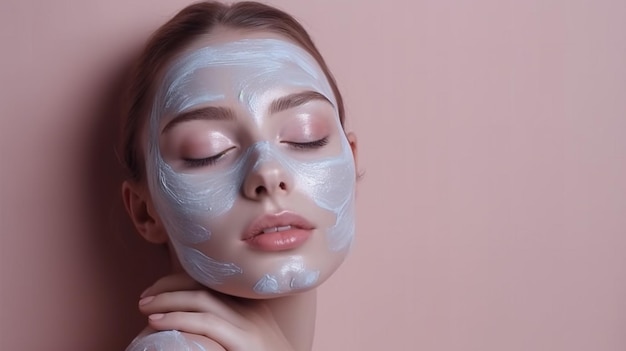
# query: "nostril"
259,190
262,189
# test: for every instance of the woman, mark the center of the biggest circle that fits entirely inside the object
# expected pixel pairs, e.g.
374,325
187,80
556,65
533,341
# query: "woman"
238,161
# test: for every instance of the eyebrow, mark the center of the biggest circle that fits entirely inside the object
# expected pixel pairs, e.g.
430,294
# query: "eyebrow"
211,113
216,113
295,100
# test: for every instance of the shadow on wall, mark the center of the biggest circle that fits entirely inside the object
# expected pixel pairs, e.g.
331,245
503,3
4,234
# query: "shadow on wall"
124,263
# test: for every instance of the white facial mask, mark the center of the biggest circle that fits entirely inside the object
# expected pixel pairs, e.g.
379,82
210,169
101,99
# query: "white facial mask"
164,341
249,72
293,275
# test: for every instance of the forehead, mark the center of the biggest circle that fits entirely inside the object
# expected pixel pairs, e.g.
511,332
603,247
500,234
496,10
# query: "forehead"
243,68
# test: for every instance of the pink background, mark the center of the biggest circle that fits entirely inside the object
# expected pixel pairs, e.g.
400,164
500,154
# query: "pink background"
492,214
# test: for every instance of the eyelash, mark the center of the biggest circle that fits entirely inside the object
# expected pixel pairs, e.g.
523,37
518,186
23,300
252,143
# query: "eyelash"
203,162
310,145
209,161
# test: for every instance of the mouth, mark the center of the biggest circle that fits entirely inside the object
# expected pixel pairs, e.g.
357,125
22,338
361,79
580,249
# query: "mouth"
278,232
276,229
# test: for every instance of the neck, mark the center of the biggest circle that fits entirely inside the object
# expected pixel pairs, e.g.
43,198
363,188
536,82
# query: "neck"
295,316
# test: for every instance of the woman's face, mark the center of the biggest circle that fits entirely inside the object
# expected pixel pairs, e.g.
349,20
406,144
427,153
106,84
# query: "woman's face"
249,168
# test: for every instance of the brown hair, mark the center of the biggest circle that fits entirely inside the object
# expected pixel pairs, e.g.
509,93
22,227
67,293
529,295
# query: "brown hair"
189,24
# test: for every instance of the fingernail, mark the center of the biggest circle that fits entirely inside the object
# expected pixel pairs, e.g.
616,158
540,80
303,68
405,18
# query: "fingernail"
156,316
146,300
144,293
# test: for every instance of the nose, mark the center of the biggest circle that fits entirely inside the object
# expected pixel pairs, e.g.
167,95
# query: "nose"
267,178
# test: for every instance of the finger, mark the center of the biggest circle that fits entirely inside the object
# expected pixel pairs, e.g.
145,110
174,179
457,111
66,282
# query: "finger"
206,324
173,282
190,301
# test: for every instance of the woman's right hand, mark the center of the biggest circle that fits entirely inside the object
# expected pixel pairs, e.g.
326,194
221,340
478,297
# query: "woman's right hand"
177,302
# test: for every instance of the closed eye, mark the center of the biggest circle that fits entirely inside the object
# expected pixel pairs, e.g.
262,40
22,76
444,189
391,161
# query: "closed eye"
207,161
308,145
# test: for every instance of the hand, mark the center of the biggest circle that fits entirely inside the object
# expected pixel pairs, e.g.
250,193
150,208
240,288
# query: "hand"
177,302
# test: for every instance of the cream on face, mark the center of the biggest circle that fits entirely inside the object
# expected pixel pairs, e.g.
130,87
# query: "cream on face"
248,75
293,272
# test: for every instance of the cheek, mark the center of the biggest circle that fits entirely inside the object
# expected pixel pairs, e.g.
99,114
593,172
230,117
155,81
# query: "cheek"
189,203
194,207
331,184
329,181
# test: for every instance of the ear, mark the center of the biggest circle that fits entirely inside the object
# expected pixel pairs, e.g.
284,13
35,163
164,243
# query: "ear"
142,213
353,145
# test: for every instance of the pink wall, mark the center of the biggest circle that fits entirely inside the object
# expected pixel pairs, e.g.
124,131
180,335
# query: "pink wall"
492,215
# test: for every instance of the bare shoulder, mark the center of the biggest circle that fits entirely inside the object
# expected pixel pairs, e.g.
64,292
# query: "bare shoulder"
172,340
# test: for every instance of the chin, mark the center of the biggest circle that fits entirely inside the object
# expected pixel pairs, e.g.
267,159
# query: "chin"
291,275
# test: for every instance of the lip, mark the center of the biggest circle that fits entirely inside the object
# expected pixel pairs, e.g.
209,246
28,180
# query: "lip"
283,231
